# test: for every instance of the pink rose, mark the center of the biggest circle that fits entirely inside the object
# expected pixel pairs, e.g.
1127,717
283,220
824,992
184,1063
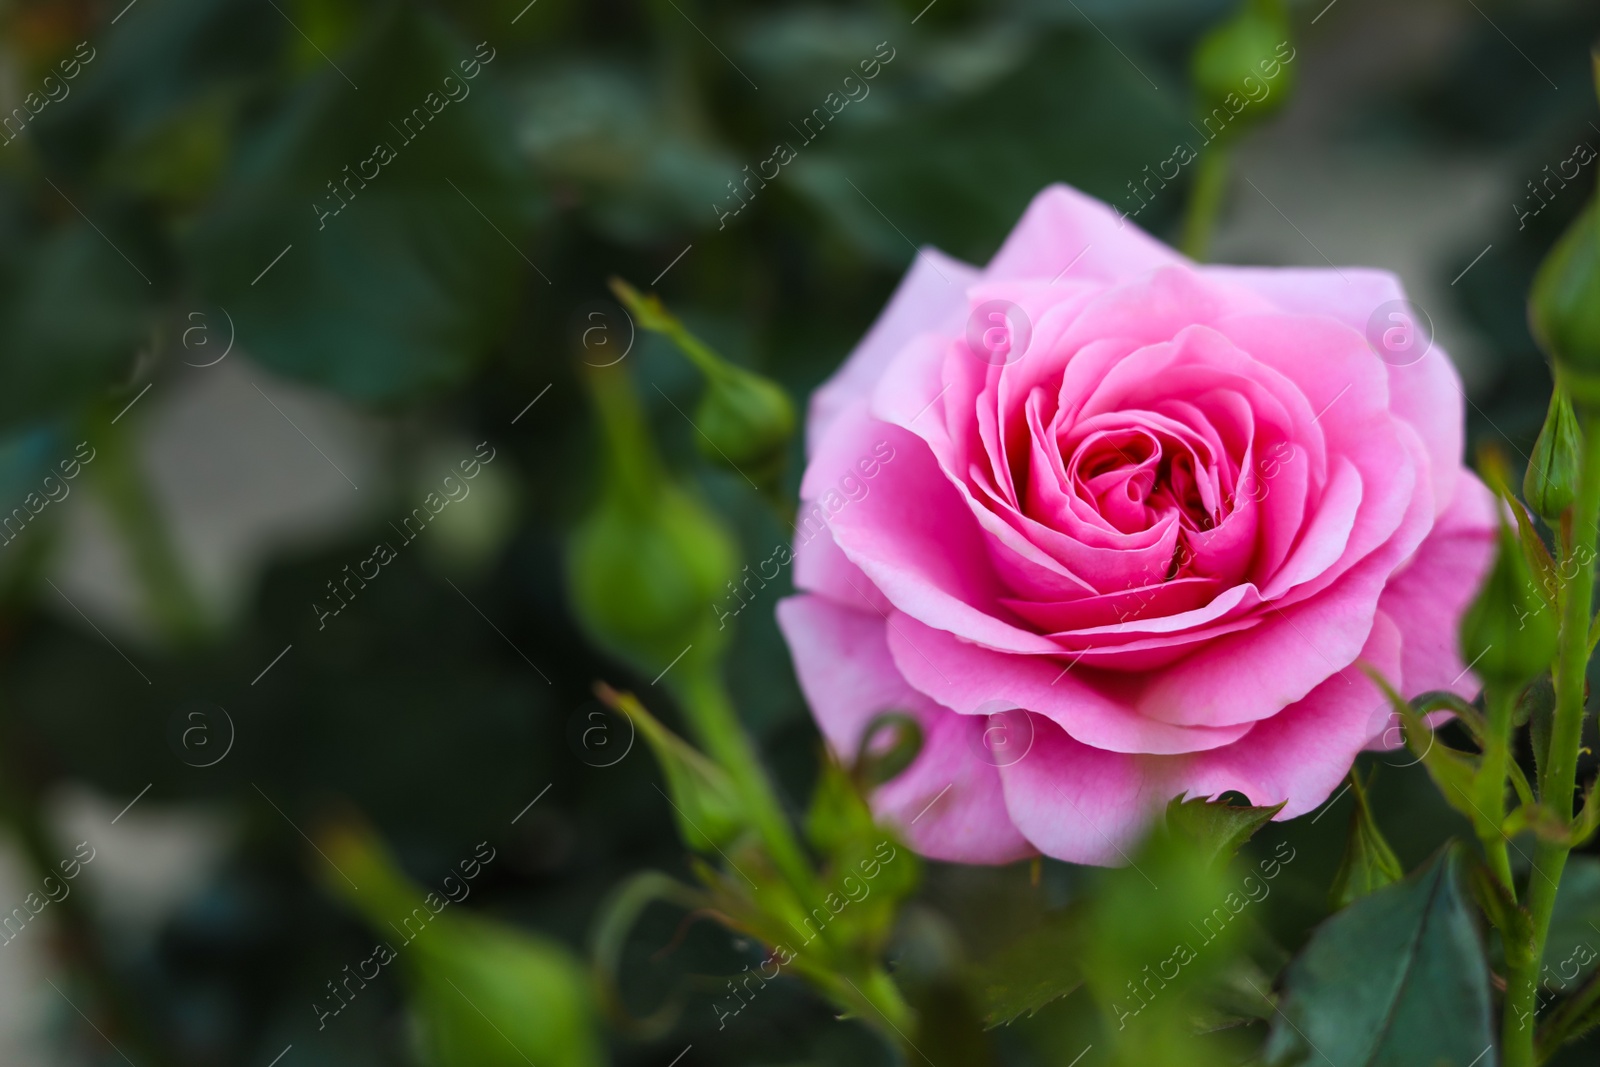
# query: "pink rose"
1162,508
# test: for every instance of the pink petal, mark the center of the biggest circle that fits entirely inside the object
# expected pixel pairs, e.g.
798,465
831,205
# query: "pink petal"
1427,598
1096,710
948,802
1084,805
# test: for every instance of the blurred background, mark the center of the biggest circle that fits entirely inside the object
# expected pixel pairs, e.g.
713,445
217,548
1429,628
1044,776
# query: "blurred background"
257,342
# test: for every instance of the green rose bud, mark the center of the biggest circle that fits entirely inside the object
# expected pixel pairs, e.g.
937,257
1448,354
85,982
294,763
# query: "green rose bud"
1551,481
1564,307
1242,67
1508,635
646,565
744,420
481,993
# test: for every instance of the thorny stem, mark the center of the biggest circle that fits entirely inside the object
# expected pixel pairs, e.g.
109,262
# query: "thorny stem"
1560,772
1492,783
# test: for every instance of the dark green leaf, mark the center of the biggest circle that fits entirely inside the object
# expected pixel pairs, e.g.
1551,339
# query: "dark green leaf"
1572,944
71,318
402,288
1397,978
958,175
1510,918
1034,970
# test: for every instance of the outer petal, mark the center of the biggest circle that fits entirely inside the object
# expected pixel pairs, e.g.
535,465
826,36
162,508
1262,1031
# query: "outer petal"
967,678
1427,599
931,296
1084,805
1061,224
948,802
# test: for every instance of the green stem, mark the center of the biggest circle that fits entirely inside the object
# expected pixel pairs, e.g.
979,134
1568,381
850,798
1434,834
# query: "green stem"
716,725
1559,779
1491,800
1205,202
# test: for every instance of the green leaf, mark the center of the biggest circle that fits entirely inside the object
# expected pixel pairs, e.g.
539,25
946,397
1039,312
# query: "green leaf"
1369,863
1217,828
1397,978
396,209
1042,966
72,314
838,813
957,174
1572,944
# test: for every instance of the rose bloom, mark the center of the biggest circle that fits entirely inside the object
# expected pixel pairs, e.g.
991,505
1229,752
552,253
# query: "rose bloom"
1114,526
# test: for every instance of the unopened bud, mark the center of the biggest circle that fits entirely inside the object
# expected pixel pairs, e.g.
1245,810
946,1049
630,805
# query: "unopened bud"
1241,67
646,564
1551,481
745,421
1564,307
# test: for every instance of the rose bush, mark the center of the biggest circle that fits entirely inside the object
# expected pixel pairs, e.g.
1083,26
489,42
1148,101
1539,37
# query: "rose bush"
1162,508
